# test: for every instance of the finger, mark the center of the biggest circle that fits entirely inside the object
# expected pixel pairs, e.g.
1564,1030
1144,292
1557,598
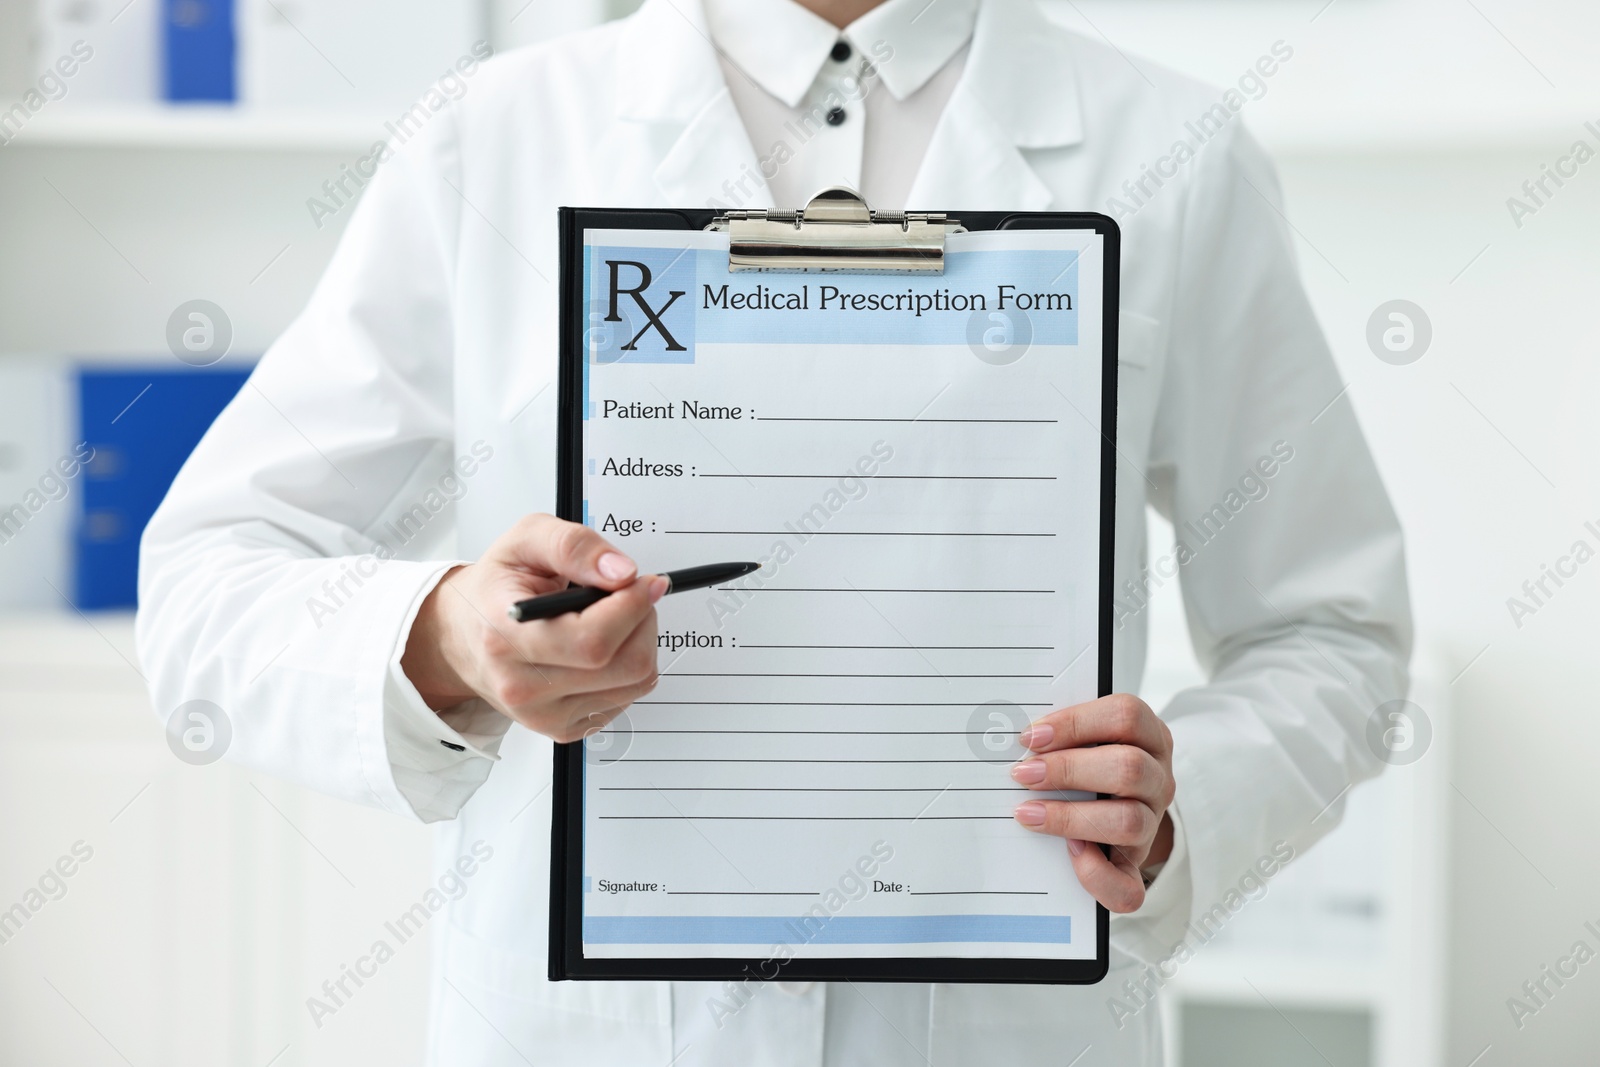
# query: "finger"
583,714
590,639
1126,823
550,546
633,665
1118,718
593,711
522,688
1114,881
1121,770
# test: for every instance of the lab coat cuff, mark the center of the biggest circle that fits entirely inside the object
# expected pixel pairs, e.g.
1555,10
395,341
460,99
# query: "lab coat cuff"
1151,933
1161,895
438,759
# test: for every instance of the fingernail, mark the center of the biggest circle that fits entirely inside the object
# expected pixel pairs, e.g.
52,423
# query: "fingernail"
1074,846
1030,814
1038,735
616,566
1030,772
658,588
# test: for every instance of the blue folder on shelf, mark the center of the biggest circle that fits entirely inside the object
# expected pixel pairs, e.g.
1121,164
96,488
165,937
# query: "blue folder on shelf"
142,425
199,48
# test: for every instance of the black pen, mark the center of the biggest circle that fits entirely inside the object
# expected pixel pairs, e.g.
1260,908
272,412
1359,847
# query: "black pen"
581,596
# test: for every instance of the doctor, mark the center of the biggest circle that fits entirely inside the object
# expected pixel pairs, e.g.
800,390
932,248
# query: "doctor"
327,564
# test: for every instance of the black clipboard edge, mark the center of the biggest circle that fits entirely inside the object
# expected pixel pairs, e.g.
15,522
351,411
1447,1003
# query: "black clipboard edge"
566,779
566,960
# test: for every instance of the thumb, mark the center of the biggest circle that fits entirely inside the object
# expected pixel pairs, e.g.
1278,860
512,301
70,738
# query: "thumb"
560,549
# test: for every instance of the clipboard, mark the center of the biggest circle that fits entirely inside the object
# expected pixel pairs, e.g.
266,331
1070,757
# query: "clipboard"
835,233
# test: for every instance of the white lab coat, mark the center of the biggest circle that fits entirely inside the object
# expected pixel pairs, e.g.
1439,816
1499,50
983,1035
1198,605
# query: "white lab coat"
431,341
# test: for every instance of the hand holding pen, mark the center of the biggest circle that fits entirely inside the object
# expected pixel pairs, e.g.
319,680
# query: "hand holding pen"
573,672
579,597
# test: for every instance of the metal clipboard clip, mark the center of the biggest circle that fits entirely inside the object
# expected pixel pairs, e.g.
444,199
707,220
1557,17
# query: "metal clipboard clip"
836,231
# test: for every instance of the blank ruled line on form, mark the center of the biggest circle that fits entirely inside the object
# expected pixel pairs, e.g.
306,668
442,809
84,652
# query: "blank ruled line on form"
780,674
857,533
903,477
850,418
746,759
813,789
812,818
921,648
849,589
837,703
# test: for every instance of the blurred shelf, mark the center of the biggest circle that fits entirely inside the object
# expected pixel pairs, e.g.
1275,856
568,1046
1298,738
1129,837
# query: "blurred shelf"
57,665
200,126
64,639
1331,129
1257,979
1293,130
130,358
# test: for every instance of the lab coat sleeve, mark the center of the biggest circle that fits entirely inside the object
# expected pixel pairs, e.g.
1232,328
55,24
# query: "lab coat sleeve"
1291,561
280,576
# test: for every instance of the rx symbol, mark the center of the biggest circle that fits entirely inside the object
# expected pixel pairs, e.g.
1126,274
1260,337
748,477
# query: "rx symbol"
653,315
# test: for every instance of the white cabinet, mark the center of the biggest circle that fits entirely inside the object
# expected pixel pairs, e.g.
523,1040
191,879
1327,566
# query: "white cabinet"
215,901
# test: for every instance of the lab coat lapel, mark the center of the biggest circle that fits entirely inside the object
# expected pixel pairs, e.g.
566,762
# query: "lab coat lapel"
712,163
972,164
668,77
1019,91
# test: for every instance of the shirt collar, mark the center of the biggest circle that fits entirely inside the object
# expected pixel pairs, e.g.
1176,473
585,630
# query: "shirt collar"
782,46
911,40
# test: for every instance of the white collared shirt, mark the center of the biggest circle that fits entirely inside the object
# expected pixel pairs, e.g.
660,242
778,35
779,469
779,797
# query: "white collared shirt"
863,119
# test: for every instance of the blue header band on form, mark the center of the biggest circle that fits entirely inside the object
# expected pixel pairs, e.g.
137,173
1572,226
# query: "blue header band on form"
652,305
832,930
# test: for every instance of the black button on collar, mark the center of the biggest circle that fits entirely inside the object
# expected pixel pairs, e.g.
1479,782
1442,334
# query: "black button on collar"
841,51
836,116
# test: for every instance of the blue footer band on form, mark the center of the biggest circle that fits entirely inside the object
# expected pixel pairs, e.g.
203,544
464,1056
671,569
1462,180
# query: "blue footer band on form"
823,930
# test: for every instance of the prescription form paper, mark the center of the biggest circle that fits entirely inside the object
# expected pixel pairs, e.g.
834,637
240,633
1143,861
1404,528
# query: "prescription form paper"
823,769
